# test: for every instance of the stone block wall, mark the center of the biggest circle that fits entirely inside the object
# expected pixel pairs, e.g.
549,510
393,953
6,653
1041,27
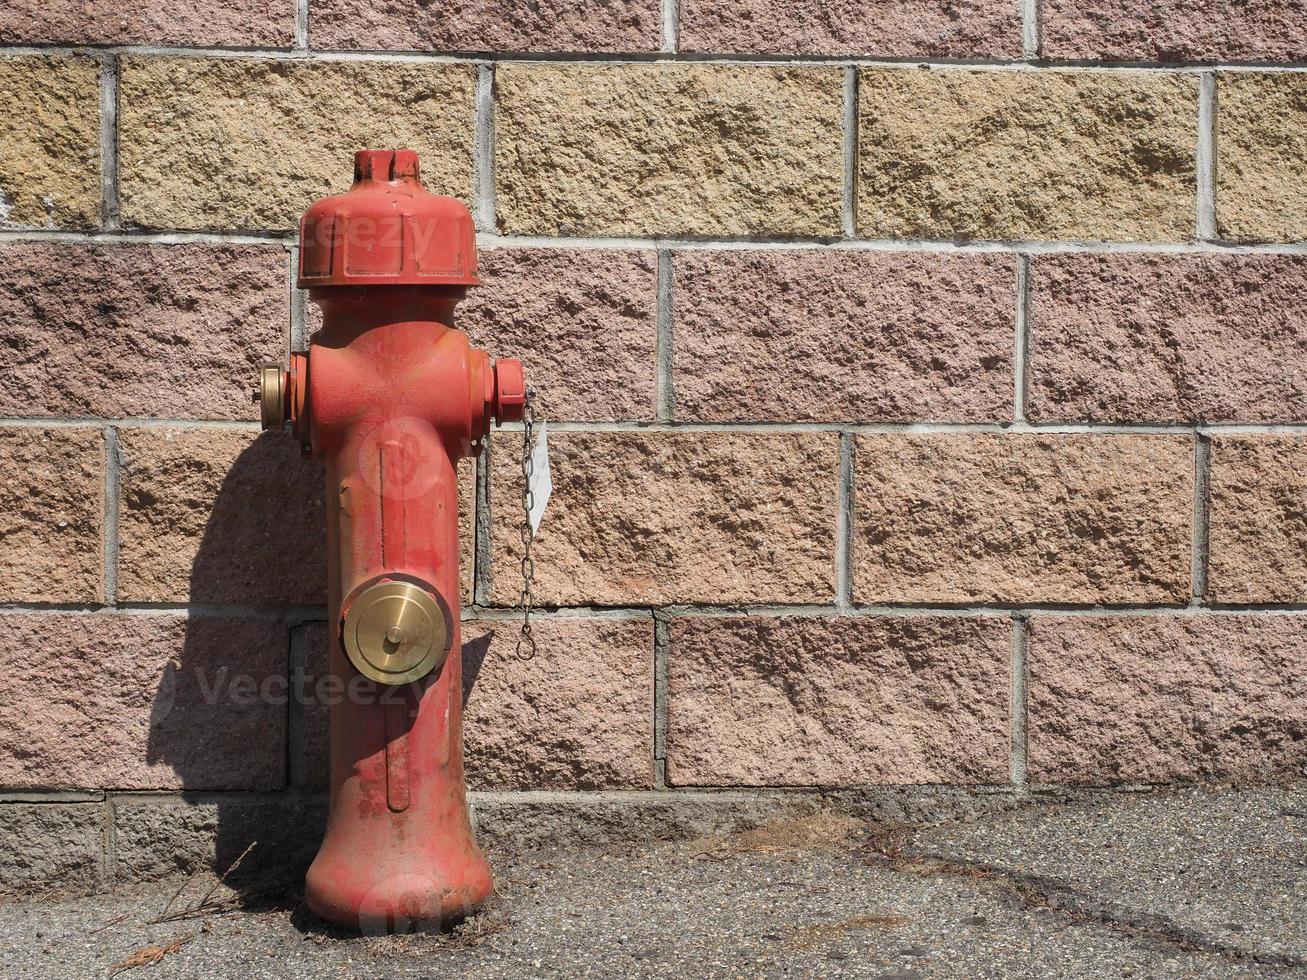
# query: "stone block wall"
927,385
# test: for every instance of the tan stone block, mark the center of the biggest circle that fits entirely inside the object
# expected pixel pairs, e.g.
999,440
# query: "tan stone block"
951,153
665,517
249,144
1261,156
1165,699
674,149
51,506
1257,519
838,702
1023,518
50,153
218,515
142,701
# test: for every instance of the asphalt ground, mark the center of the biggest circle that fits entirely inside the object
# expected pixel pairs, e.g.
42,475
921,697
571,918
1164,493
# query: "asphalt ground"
1189,883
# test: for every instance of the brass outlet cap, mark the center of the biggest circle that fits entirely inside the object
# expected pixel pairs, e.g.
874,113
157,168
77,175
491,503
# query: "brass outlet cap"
272,396
396,632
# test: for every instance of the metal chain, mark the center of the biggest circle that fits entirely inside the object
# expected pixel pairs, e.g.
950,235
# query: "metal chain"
526,643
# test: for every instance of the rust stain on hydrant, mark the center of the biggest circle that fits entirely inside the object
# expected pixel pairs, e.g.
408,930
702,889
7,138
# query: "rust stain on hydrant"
391,396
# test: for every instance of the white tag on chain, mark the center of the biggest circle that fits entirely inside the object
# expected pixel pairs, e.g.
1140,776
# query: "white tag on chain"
542,484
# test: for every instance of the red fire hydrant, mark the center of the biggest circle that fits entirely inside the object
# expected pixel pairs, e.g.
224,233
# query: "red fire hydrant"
391,396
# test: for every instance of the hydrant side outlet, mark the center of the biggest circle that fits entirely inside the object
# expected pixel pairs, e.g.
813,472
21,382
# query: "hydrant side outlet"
391,396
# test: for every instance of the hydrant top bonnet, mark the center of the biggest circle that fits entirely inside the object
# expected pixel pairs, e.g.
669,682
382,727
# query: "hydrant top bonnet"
387,230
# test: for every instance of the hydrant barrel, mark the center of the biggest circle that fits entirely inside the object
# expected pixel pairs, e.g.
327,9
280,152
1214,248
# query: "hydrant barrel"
390,396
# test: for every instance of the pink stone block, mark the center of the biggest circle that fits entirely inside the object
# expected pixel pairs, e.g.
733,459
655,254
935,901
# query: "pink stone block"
1257,519
142,701
847,336
1174,30
838,702
152,331
1168,338
487,25
577,716
176,23
1162,699
583,322
902,29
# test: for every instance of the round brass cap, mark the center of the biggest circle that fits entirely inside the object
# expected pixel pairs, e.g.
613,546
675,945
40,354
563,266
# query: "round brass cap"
272,395
396,632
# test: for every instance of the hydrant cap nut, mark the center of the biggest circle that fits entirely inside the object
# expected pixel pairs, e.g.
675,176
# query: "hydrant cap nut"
387,230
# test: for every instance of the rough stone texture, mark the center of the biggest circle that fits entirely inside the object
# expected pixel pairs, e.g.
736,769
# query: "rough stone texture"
1023,518
528,724
219,515
903,29
310,725
668,149
142,701
248,144
831,702
1174,30
1162,699
814,336
51,847
951,153
525,822
1168,338
157,838
584,322
232,23
1261,149
655,518
172,331
1257,519
50,154
578,716
51,495
488,25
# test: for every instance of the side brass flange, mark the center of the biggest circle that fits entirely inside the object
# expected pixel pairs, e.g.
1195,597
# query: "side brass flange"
396,631
271,395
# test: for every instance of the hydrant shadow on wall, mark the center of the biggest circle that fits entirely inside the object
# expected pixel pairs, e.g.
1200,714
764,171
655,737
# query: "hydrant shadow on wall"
390,396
